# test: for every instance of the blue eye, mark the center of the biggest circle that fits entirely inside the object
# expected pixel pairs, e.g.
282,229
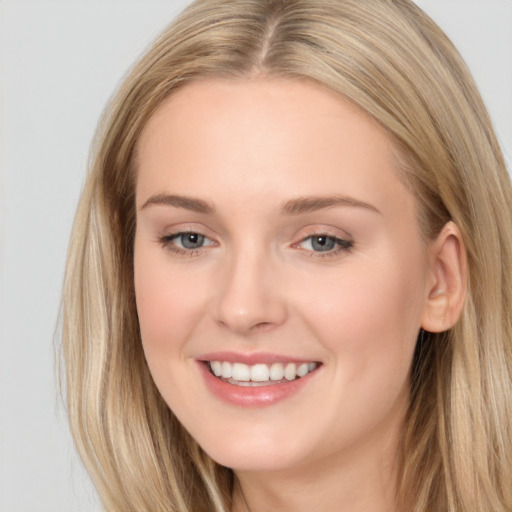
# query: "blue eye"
189,240
185,242
325,244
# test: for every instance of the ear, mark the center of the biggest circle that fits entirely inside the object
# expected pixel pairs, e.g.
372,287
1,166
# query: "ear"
448,280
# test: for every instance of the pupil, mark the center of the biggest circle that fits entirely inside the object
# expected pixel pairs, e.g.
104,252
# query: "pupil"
192,240
323,243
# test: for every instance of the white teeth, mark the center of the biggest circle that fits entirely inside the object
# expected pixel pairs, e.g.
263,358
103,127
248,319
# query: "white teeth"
303,370
216,368
276,371
241,372
227,370
290,371
259,373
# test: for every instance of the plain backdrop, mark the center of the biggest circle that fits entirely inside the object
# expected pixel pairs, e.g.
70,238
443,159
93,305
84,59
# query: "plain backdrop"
60,61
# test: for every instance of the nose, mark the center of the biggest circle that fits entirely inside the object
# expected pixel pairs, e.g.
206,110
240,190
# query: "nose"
250,297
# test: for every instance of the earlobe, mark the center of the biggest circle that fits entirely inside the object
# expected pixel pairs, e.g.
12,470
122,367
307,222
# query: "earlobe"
447,285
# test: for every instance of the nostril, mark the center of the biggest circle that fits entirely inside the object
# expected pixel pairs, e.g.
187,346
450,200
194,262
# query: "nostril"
262,326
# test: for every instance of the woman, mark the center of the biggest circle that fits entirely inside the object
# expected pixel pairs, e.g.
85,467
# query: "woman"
289,277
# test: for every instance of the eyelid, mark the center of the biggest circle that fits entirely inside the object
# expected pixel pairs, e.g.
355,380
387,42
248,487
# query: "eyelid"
186,227
324,230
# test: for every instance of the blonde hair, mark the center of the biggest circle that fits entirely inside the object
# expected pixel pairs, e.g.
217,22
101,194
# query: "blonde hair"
390,59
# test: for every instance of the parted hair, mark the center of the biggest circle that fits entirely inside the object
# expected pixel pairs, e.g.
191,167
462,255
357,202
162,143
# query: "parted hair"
392,61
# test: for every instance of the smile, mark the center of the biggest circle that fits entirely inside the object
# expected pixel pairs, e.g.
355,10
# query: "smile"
256,380
261,374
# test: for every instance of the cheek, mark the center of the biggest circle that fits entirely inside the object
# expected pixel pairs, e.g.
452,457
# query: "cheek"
167,305
368,319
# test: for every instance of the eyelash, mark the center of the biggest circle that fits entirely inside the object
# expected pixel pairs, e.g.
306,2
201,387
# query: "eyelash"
342,245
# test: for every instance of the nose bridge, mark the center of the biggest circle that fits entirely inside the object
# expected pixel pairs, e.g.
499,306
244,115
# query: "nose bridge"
250,297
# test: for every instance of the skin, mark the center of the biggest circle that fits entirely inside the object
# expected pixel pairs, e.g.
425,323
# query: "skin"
246,147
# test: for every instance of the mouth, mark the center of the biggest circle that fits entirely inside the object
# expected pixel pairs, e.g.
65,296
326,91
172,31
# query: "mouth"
258,379
260,374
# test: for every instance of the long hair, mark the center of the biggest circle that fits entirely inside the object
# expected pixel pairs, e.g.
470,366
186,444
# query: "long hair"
393,62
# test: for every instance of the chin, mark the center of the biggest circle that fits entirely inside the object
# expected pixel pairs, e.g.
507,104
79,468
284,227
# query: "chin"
250,462
252,454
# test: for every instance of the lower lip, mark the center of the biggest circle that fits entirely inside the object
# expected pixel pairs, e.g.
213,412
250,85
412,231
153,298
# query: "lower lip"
252,396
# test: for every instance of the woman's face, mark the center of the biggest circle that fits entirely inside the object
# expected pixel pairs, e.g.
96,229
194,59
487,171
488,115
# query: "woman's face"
277,247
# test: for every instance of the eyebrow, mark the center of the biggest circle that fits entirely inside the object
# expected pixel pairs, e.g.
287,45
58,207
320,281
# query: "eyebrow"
188,203
296,206
315,203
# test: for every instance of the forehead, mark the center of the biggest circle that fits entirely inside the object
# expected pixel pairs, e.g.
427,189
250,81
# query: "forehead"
263,136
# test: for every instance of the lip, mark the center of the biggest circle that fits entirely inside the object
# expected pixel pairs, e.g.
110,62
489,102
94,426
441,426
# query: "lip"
251,358
249,396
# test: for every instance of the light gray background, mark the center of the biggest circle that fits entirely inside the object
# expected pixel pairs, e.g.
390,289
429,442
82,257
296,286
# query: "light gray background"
59,63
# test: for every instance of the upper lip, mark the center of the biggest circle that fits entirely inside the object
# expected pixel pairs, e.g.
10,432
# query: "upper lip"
252,358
